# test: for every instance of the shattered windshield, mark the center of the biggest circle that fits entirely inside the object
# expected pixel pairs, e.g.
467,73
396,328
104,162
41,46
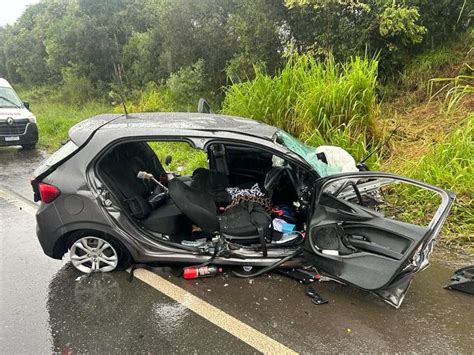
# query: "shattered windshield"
306,152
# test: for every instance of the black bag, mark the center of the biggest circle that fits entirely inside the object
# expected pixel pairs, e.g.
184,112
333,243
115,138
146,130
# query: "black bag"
244,220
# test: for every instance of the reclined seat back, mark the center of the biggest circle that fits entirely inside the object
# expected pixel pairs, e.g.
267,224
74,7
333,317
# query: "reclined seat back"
195,204
214,183
245,221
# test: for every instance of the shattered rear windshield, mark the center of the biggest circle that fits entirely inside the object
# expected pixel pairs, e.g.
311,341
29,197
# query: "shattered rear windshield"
306,152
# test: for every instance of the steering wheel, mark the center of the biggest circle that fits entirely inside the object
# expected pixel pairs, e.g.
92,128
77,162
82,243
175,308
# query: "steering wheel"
274,176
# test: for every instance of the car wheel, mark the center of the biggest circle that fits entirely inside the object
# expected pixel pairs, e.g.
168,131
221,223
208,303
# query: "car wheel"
89,253
28,146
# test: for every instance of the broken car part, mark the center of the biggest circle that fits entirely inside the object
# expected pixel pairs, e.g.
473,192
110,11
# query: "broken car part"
462,280
97,195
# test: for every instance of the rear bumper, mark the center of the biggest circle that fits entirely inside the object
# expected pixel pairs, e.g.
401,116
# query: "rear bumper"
30,136
49,231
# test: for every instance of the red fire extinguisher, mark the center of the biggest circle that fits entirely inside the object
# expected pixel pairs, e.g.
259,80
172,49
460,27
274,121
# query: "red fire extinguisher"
193,272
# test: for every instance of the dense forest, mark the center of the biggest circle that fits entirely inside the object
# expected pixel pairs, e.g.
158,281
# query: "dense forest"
341,72
211,42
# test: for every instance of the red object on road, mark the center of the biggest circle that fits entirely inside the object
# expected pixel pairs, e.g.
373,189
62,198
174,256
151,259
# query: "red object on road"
194,272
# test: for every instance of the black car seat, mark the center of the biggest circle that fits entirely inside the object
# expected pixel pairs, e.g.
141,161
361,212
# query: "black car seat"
119,170
244,222
214,183
122,165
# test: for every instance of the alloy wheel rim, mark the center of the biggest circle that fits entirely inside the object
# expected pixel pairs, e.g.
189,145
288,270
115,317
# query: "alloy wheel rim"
92,254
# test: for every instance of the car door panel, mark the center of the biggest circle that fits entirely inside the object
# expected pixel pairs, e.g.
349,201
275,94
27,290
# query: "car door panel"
363,247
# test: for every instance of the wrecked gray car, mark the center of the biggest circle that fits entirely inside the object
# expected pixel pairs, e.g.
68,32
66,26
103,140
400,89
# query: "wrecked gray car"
259,198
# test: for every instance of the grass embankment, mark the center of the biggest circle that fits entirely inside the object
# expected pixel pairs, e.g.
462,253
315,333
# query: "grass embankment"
432,111
54,117
337,104
322,103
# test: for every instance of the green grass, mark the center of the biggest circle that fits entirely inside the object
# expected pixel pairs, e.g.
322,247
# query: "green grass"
185,159
321,102
54,118
450,165
448,60
454,89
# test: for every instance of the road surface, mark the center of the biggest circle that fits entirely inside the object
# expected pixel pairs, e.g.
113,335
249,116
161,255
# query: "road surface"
47,306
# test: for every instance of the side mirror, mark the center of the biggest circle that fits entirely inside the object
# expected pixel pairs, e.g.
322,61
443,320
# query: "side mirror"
168,160
203,106
26,104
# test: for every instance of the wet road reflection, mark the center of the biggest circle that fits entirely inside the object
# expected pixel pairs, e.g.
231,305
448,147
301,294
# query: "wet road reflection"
106,313
46,305
17,166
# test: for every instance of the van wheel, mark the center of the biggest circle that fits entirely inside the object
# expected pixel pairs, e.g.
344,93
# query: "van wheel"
28,146
92,253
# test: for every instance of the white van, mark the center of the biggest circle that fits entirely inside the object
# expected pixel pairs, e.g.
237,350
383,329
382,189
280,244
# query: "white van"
17,123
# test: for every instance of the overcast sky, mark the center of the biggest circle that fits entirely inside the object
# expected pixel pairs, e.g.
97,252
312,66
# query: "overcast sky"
10,10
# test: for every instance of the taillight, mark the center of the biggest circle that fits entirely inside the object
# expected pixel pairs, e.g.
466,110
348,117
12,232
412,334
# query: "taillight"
48,192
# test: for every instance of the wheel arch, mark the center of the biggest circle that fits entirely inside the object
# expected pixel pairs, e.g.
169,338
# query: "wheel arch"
64,242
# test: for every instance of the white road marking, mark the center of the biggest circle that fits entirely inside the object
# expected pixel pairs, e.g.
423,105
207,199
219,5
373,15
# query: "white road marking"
230,324
18,201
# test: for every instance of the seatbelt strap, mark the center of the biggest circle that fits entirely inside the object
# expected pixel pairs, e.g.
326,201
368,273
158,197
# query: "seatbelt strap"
261,234
219,157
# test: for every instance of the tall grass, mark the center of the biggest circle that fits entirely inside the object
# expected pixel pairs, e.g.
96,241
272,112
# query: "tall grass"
454,89
185,159
321,102
450,165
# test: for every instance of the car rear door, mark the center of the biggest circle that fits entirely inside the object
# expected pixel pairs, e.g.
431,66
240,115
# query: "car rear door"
374,230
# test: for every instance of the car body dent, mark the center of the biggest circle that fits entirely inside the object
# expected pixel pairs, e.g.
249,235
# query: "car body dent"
96,136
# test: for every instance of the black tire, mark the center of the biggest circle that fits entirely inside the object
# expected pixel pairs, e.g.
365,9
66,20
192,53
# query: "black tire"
28,146
124,257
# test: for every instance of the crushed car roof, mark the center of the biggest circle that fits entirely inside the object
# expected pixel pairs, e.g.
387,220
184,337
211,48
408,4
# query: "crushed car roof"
81,132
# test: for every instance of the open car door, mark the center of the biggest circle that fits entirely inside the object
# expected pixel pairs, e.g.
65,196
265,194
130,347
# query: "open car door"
374,230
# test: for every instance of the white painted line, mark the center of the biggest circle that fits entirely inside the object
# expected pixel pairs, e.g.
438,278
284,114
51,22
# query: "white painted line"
20,202
230,324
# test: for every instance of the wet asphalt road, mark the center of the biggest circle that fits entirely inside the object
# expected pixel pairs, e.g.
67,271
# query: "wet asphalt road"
45,305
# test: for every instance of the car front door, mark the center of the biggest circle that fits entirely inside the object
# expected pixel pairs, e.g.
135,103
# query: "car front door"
374,230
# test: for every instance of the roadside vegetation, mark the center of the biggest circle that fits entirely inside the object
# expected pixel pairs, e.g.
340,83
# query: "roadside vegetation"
55,115
320,101
405,74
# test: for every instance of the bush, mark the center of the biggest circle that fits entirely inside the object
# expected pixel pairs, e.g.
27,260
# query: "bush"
153,98
180,92
186,86
322,102
75,89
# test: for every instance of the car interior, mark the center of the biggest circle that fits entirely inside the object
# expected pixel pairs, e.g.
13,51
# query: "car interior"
256,199
246,194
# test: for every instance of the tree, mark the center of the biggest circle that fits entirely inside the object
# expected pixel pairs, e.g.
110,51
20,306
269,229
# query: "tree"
257,29
193,30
